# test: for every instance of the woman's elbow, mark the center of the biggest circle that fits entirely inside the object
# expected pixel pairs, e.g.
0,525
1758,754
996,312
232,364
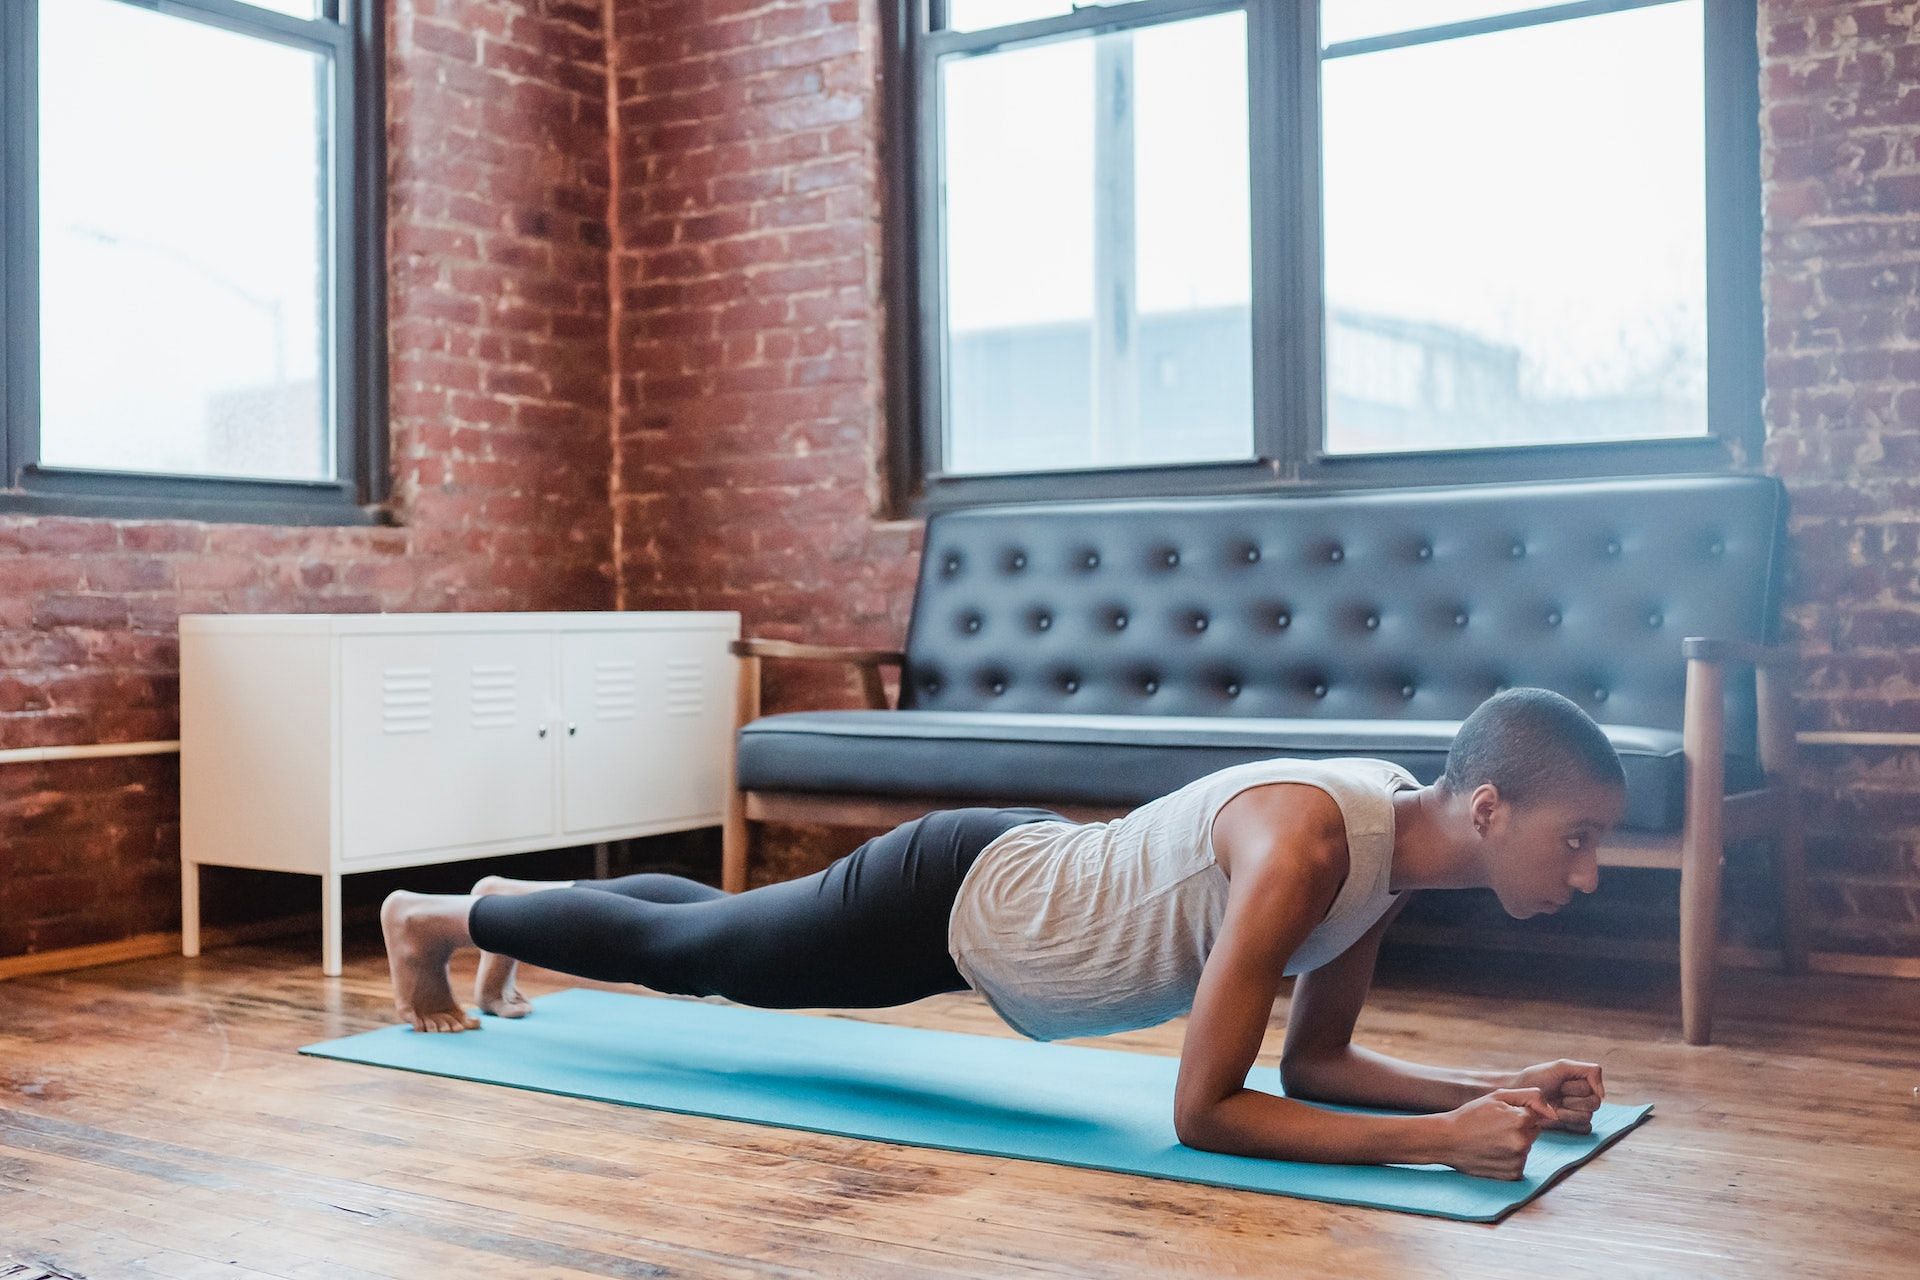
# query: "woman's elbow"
1196,1126
1300,1077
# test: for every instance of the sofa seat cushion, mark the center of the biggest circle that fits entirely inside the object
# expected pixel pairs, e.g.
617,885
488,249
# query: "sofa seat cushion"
1121,760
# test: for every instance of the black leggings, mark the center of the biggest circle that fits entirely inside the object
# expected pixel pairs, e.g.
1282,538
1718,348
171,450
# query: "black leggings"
868,931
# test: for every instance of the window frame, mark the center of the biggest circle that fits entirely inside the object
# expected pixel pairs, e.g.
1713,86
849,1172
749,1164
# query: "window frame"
1288,305
350,34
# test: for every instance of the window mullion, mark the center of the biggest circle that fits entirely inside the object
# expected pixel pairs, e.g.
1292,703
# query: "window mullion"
1115,420
1283,90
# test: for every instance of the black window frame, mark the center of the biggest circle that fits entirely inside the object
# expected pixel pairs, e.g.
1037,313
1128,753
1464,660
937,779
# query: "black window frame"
1288,307
350,34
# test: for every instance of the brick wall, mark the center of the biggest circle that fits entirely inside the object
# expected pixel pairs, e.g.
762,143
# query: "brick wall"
750,425
1840,120
500,405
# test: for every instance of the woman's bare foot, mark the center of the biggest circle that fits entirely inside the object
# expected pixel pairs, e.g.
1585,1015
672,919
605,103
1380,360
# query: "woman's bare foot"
423,930
493,988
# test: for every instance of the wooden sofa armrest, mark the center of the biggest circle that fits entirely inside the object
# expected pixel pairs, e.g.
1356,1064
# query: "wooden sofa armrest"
751,648
1763,656
867,661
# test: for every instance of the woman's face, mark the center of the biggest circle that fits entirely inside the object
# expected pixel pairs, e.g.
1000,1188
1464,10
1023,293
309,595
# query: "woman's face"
1540,854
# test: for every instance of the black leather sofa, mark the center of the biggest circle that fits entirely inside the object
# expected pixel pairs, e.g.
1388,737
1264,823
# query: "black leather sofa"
1093,655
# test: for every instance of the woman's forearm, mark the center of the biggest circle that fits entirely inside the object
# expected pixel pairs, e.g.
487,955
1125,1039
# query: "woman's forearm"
1250,1123
1362,1078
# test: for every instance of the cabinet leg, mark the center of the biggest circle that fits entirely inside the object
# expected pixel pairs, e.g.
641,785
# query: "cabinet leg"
602,861
189,907
330,924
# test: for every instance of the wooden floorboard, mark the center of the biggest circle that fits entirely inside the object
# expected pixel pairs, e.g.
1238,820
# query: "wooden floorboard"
156,1122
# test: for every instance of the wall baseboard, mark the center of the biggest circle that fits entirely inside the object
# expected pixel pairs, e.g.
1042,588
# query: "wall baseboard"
146,946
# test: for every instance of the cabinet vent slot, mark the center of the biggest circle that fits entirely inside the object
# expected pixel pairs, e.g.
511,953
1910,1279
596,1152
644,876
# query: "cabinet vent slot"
406,700
686,686
495,696
615,690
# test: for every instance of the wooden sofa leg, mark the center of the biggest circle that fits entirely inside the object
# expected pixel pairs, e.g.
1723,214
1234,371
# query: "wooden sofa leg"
1780,758
1790,877
735,841
1699,932
1701,848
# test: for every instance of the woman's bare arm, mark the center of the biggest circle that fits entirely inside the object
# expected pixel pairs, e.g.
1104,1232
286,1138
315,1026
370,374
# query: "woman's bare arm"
1287,858
1320,1060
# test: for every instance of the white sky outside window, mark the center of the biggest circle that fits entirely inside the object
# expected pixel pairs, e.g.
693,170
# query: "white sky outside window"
1514,222
292,8
182,262
1539,192
1019,180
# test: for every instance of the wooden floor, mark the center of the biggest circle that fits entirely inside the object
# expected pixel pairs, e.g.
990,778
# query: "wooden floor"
155,1121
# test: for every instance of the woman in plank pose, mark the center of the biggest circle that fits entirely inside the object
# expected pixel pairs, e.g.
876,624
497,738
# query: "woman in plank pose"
1198,902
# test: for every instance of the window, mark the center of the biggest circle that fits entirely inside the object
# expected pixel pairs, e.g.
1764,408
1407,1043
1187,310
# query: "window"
1168,246
191,236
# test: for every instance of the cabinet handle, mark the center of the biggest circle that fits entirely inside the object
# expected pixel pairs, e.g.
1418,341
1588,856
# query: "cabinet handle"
572,729
543,731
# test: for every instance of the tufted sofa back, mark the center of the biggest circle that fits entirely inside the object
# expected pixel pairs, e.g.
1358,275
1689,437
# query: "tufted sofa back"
1380,604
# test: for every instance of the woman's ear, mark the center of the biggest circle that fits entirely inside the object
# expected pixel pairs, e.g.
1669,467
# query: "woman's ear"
1485,807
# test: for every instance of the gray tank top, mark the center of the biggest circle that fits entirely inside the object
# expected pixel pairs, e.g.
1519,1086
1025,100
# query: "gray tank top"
1086,929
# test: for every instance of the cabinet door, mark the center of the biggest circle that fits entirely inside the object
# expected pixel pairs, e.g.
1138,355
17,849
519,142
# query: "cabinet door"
648,714
441,742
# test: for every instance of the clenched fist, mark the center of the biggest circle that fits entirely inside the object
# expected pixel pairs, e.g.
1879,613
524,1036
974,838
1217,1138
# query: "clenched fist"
1572,1089
1491,1136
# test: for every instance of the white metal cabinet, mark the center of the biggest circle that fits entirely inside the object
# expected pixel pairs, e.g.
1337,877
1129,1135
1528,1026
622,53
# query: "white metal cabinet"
647,727
336,743
449,741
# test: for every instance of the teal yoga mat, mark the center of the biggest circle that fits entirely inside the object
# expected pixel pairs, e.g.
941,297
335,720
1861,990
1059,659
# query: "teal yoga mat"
1094,1108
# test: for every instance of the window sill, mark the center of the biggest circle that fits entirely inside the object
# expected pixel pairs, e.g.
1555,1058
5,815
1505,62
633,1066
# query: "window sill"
203,510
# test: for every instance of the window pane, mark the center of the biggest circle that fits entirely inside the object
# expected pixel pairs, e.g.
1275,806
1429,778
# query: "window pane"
1501,276
182,187
1343,20
1097,268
